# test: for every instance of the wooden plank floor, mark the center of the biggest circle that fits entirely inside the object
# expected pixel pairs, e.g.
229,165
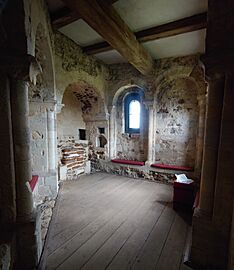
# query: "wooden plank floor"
104,221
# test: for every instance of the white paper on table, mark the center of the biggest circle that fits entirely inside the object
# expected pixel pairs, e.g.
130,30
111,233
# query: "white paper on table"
182,178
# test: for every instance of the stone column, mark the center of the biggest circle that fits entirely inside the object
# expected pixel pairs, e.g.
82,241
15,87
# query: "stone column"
51,139
224,189
151,133
212,223
7,172
204,240
22,156
51,179
211,143
200,135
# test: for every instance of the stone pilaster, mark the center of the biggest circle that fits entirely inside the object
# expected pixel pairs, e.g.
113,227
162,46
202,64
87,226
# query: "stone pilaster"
200,135
51,139
22,154
7,176
19,69
151,132
204,244
112,132
211,143
212,221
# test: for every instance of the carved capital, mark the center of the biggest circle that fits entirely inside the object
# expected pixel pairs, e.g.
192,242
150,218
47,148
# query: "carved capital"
59,107
21,67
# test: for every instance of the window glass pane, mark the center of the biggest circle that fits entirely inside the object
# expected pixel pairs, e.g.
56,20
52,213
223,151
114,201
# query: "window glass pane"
134,114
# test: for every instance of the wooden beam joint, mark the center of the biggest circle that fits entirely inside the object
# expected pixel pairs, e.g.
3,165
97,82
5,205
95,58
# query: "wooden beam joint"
181,26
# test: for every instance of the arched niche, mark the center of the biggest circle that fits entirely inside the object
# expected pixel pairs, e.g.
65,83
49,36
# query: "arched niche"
122,144
177,122
83,108
194,77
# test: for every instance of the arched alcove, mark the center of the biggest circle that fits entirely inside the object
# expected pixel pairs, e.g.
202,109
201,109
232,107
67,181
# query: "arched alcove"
83,109
127,145
176,118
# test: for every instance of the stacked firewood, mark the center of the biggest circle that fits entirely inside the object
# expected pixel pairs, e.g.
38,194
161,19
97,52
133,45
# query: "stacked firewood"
74,157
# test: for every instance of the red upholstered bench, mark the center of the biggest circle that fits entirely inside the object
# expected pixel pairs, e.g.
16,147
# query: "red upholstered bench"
33,181
129,162
172,167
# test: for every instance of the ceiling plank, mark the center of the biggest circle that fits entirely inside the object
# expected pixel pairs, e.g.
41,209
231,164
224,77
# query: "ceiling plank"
65,16
103,18
185,25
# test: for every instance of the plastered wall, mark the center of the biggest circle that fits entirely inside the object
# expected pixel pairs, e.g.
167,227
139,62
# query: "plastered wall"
70,119
176,123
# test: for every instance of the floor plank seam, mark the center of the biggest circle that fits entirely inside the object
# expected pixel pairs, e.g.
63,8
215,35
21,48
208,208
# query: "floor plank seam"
95,203
82,266
142,205
141,248
119,250
117,228
165,242
114,222
80,231
120,210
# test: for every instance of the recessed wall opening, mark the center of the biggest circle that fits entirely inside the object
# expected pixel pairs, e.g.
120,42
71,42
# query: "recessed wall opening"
101,141
133,112
82,134
101,130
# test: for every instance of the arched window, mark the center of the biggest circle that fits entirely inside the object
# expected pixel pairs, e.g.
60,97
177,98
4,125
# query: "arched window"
132,113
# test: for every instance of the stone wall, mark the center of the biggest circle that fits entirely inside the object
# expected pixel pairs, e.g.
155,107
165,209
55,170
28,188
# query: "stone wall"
176,123
73,158
70,119
173,91
97,89
130,146
85,77
72,66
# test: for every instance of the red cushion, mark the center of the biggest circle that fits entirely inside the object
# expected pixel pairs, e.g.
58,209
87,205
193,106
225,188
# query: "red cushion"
33,181
172,167
130,162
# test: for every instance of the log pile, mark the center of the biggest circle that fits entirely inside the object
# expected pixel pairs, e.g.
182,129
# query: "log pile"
74,157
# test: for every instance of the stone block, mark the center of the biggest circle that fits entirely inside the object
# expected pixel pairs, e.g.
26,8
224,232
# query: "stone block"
88,167
62,172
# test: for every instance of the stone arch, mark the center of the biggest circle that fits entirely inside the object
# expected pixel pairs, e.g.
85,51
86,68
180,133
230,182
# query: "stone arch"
169,75
123,90
176,117
92,104
194,75
135,145
92,110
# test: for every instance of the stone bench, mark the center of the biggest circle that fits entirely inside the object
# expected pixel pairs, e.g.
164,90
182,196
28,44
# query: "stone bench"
172,167
129,162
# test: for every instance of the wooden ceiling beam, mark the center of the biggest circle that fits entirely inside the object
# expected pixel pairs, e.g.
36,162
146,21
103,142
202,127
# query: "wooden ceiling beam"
65,16
103,18
181,26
